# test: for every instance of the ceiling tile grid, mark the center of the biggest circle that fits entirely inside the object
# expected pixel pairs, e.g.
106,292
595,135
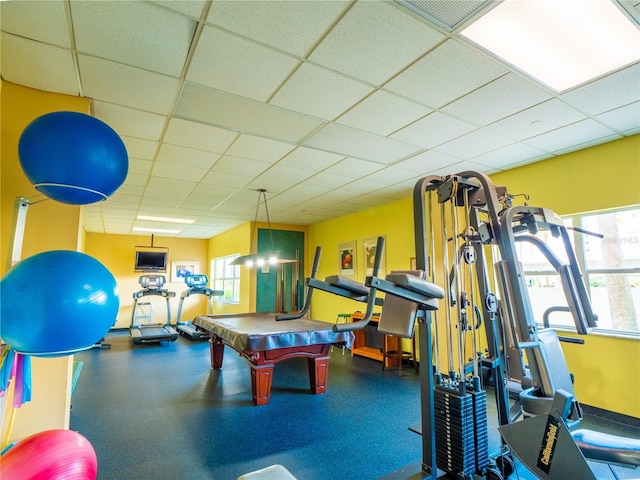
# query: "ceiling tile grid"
237,65
332,107
38,65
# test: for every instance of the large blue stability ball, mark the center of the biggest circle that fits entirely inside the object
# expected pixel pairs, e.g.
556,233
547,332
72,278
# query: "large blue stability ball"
72,157
56,303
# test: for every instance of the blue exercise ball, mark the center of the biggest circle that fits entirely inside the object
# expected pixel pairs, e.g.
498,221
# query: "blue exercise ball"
72,157
57,303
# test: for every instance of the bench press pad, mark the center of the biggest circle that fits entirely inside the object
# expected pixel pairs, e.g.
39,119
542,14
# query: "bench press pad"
603,447
418,285
347,284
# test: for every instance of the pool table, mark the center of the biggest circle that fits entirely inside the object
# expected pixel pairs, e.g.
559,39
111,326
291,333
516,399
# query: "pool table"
264,341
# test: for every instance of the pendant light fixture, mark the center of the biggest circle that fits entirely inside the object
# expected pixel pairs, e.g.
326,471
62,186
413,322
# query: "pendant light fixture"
272,257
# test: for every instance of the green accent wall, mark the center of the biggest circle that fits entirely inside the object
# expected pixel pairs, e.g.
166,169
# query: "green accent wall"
290,244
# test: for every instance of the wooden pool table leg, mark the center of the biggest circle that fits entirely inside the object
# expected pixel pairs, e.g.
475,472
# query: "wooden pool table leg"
261,378
318,373
216,349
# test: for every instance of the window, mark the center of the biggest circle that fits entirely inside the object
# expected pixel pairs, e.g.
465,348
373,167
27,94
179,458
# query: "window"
609,258
226,277
612,267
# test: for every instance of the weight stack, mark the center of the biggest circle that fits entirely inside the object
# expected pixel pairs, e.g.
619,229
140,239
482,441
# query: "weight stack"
481,430
461,431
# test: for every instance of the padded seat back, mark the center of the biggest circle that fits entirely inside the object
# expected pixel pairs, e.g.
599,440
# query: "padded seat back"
398,316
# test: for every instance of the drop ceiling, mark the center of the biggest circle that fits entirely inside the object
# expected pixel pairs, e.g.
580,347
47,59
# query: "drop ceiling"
332,107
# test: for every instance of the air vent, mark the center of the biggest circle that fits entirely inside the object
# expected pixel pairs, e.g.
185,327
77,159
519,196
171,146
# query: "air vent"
446,14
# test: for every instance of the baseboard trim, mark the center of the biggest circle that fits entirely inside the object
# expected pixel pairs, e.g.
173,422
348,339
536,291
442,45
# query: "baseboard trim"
612,416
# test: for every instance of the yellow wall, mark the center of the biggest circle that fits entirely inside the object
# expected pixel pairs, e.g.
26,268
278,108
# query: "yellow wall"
600,177
50,226
116,252
394,221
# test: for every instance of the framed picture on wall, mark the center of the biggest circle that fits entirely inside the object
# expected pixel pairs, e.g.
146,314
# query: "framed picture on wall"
347,259
181,268
369,249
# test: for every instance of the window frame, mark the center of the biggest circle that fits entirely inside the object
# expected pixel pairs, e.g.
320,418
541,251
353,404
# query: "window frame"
234,279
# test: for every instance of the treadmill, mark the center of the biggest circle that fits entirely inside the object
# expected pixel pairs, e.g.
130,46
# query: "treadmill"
197,284
151,332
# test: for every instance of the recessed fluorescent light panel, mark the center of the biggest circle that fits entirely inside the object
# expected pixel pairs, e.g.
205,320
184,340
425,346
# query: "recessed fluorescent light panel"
154,230
165,219
562,43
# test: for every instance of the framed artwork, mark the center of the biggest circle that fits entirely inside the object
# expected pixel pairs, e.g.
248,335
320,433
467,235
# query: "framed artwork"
369,248
180,269
347,259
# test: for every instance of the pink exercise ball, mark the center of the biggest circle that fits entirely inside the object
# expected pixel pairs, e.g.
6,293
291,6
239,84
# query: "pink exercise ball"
51,455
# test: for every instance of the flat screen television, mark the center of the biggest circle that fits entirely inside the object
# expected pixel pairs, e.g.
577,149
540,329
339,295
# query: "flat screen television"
151,261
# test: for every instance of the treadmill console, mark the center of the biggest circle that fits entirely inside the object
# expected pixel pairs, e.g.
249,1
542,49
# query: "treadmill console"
152,281
196,280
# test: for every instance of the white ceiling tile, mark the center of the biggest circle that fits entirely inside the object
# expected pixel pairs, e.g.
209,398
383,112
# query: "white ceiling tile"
139,166
399,190
310,159
613,91
216,108
300,193
172,188
194,204
131,192
44,21
389,175
156,199
284,173
589,143
446,74
426,162
460,167
215,191
169,170
373,41
353,168
434,129
37,65
189,7
622,119
236,65
509,155
226,179
474,144
239,166
319,92
579,132
502,97
361,187
123,85
290,26
383,113
273,186
129,121
198,135
360,144
135,179
188,157
371,200
536,120
326,181
110,29
257,148
139,148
